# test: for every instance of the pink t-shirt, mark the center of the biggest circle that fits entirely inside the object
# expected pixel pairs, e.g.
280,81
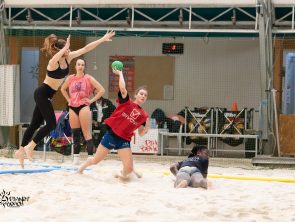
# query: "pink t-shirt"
79,88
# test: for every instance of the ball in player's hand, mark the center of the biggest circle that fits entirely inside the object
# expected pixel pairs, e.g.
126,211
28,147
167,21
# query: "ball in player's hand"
118,65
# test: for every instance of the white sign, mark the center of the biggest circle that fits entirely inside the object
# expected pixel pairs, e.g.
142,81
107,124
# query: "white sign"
148,143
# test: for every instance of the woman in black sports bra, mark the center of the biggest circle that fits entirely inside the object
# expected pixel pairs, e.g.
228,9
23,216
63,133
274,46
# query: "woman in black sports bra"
57,70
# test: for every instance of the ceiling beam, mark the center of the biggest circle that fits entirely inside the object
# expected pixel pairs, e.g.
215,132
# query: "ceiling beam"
129,3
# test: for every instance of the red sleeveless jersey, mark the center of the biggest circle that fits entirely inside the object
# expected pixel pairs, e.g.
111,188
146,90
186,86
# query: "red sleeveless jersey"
126,118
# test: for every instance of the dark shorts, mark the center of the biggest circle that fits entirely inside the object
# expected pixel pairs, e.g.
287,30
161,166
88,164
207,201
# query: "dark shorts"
112,141
77,109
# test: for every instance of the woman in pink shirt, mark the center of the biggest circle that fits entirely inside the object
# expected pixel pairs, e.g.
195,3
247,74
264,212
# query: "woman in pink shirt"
77,90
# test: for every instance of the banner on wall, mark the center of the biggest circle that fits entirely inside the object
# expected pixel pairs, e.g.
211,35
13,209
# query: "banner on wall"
146,144
128,73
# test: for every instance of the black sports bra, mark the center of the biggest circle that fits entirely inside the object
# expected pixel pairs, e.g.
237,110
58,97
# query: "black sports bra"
59,73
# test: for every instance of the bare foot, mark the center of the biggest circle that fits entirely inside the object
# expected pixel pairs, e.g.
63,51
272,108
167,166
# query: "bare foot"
86,164
121,176
182,184
137,174
20,155
80,170
29,153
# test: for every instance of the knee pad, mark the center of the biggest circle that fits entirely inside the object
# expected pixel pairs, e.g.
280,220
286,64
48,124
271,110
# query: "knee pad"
76,140
76,135
90,146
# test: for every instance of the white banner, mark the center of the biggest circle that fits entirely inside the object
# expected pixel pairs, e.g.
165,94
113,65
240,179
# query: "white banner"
149,143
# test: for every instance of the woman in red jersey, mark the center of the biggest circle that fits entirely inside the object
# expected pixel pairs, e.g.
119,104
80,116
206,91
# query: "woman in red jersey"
127,117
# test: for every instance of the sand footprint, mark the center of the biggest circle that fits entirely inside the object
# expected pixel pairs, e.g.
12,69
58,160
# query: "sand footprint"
210,213
144,212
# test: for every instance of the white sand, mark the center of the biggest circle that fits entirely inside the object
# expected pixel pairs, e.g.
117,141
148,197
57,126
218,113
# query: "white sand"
98,196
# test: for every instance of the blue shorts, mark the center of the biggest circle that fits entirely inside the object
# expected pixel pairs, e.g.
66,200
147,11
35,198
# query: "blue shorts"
113,142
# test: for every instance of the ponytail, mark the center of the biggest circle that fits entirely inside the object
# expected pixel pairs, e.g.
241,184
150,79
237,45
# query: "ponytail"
52,45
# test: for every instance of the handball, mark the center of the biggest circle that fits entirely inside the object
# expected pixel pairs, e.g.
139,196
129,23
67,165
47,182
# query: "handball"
118,65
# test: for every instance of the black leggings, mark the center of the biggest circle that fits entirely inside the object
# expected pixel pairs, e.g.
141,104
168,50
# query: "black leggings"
43,111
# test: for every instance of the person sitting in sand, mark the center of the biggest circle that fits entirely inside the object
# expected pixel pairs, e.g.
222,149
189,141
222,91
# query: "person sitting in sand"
193,170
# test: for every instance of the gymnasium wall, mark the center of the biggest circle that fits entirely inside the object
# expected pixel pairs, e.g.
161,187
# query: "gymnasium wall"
211,72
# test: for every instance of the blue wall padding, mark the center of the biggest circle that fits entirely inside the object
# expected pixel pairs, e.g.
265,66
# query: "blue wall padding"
289,88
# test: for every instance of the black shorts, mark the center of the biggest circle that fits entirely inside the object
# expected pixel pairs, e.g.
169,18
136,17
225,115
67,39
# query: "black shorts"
77,109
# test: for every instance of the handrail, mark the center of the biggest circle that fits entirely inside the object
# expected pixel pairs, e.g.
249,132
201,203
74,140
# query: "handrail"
209,135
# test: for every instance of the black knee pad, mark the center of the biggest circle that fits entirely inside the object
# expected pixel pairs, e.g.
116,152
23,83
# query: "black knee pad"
90,146
76,140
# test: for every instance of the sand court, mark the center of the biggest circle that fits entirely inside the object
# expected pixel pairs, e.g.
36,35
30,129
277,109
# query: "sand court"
63,195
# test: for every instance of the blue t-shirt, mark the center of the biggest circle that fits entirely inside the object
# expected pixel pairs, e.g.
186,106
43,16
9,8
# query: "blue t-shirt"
196,161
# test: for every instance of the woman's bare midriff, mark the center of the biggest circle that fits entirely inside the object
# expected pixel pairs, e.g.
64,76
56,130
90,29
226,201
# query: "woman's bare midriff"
53,83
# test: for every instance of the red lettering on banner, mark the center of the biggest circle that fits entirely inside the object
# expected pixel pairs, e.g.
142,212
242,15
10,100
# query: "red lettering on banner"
149,146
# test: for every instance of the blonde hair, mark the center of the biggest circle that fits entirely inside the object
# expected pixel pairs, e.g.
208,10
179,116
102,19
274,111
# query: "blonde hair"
52,45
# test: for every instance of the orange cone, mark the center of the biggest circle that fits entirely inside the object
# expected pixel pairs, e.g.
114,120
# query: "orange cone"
234,107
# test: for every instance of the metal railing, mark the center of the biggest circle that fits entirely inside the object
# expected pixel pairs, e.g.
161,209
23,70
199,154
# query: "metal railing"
208,136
